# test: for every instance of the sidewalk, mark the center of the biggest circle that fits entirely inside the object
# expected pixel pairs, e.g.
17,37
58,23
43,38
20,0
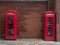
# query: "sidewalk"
28,42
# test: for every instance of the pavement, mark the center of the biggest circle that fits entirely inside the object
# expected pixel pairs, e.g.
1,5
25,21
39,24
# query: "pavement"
28,42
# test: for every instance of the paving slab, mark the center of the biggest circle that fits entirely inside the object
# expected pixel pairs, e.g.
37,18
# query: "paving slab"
28,42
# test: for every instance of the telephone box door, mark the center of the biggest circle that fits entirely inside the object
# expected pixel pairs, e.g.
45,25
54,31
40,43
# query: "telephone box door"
11,32
50,25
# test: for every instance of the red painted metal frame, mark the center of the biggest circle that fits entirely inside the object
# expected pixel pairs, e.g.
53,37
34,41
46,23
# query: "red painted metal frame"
46,16
13,13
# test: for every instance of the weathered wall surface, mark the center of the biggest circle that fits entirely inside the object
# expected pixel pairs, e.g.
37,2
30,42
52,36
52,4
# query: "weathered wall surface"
58,19
23,0
29,18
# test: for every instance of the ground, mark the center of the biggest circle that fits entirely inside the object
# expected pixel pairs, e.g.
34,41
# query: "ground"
28,42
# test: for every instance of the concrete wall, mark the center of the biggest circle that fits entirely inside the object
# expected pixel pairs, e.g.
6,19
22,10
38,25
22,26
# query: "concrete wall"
58,19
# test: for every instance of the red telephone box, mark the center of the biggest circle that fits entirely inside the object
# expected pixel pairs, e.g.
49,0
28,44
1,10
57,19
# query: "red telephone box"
11,32
50,25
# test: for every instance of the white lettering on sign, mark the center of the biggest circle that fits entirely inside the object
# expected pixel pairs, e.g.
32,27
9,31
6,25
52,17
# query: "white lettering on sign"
50,14
10,13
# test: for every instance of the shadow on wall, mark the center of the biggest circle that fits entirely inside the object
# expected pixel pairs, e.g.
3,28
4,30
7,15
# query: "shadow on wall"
2,26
